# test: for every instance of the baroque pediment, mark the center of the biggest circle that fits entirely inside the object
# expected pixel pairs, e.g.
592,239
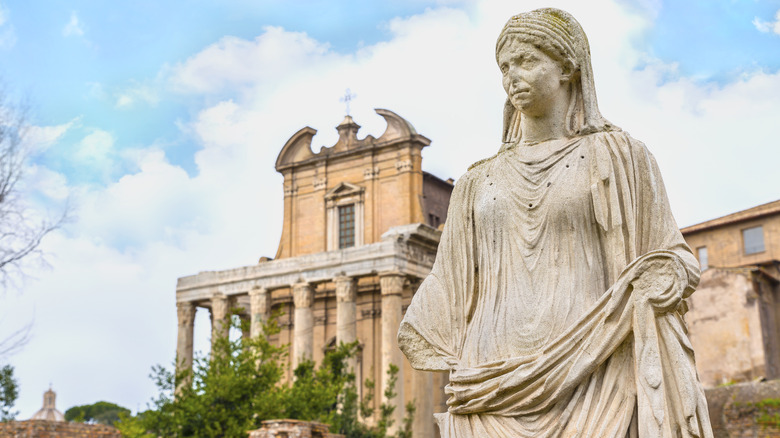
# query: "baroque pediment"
298,148
344,189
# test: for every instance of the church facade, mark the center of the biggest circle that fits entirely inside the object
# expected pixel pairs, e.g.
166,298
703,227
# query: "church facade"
360,233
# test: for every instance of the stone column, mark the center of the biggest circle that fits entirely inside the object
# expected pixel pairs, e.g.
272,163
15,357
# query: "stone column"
220,326
185,311
303,341
392,285
346,313
422,392
259,305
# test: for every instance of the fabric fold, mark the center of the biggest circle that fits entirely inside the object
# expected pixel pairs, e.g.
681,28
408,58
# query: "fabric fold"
542,331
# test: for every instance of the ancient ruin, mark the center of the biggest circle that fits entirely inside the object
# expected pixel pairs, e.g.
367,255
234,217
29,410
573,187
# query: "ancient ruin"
359,234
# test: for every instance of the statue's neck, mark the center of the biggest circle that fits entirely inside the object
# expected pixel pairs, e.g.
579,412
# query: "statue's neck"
536,130
549,124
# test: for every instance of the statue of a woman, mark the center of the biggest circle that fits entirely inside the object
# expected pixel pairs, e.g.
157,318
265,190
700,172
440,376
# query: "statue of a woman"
557,294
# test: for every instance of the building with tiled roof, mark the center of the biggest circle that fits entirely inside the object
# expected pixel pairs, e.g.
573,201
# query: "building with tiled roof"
734,316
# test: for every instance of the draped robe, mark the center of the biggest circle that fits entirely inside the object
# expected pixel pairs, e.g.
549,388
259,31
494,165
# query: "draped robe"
531,304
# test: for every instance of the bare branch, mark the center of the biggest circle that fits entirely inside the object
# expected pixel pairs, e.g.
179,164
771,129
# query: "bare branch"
15,341
22,229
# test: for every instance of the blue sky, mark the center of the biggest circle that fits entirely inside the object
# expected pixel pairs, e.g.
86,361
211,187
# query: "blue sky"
159,122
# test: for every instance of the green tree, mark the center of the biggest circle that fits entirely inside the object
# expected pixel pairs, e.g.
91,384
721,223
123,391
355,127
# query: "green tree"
9,391
101,412
241,384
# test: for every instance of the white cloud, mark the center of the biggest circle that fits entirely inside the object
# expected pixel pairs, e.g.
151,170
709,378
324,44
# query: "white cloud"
7,32
96,151
234,62
136,93
768,26
41,138
53,185
74,27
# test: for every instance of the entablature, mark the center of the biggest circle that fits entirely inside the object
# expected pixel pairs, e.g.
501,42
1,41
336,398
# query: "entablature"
407,249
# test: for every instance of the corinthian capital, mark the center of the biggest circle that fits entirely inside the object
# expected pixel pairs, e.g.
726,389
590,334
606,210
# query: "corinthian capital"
346,289
303,295
392,283
185,311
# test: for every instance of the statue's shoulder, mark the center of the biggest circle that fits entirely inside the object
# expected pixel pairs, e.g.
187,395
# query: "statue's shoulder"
618,139
479,165
474,167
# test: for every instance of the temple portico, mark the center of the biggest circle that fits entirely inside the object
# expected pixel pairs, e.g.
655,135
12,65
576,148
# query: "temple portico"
332,279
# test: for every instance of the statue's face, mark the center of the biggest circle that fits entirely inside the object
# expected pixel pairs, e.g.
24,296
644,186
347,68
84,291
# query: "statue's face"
531,79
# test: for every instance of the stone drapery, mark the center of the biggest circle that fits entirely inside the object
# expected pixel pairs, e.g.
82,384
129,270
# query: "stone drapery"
618,352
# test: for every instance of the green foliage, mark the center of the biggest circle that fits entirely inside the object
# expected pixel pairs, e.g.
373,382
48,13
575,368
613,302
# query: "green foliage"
768,411
240,385
9,391
101,412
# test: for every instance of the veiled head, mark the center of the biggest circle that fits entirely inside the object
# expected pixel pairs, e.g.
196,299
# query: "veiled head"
558,35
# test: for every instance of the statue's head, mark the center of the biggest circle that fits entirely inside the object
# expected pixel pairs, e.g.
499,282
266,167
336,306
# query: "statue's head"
559,36
550,30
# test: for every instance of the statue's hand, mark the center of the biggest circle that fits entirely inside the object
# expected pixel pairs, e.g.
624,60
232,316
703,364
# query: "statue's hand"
660,283
453,363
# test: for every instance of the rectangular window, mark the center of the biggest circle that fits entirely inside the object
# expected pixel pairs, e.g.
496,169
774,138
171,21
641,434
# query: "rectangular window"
433,220
347,226
703,261
753,239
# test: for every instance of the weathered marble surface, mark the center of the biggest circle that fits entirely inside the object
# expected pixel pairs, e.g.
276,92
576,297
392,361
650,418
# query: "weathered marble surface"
557,294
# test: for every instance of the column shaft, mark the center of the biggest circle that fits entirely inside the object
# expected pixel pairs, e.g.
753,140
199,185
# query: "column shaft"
186,317
422,394
220,325
422,384
392,287
259,306
303,343
346,313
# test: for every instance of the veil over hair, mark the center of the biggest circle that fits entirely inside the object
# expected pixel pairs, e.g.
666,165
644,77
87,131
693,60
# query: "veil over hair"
558,33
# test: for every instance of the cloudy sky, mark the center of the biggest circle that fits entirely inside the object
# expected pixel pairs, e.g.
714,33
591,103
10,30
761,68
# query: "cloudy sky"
159,123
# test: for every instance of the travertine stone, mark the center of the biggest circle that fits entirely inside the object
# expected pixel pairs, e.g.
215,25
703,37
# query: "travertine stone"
728,327
392,286
293,429
303,296
219,316
557,294
259,306
185,312
422,394
409,249
346,312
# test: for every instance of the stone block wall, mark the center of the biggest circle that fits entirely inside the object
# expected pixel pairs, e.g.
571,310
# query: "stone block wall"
56,429
732,325
747,410
293,429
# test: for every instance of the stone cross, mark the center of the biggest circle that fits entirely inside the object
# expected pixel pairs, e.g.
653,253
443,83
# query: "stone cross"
348,96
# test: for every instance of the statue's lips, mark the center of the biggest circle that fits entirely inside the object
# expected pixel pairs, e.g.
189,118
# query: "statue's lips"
521,93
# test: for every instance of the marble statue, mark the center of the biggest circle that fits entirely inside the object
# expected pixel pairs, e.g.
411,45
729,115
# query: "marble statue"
557,295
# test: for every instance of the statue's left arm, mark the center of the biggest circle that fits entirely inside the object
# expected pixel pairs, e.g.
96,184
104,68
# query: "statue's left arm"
669,394
656,229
